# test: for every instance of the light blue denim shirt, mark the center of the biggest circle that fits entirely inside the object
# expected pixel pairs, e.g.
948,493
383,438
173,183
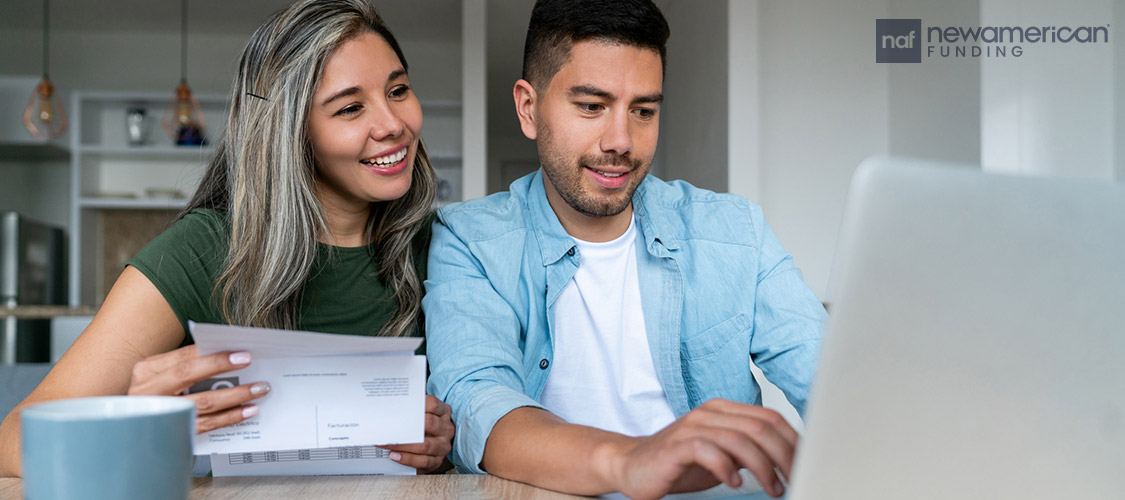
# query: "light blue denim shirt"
716,288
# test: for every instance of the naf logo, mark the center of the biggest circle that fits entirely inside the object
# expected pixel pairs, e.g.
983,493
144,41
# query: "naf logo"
898,40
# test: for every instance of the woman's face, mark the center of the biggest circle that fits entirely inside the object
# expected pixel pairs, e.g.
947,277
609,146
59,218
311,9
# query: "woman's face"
364,124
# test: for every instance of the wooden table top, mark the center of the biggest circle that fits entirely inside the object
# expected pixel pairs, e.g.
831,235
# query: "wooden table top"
436,487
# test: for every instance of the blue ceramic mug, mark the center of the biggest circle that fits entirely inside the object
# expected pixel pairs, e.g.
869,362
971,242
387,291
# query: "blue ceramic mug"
121,447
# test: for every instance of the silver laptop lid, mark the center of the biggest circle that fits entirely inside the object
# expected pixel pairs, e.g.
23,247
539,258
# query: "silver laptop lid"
976,345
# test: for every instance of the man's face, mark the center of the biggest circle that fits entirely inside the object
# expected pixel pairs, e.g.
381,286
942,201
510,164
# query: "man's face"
596,126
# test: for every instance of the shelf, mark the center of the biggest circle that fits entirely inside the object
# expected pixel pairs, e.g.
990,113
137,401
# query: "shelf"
33,151
132,203
125,97
142,151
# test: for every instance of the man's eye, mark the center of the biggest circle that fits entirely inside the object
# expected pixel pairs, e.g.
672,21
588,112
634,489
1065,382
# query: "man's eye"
646,113
590,107
351,109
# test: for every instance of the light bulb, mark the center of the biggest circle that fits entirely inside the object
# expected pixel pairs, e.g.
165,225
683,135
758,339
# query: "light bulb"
183,119
44,116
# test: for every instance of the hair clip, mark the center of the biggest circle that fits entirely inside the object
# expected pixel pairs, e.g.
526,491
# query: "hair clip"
251,94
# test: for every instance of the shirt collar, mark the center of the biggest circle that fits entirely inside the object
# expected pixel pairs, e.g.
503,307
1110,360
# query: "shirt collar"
555,242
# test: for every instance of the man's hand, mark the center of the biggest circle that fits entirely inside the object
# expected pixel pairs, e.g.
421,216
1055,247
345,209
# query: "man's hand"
706,447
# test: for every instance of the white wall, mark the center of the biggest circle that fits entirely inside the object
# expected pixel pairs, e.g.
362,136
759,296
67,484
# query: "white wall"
1050,111
693,121
1119,96
934,106
824,108
508,149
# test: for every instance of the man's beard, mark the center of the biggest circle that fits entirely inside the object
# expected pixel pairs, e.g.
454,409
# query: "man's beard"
567,178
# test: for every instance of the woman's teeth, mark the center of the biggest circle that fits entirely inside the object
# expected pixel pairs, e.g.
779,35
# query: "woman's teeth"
386,161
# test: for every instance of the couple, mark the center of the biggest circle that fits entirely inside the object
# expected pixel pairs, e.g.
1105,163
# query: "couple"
589,329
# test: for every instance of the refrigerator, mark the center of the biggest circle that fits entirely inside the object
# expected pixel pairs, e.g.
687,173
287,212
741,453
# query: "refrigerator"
32,272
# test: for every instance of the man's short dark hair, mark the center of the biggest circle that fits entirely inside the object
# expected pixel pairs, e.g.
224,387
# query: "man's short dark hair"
556,25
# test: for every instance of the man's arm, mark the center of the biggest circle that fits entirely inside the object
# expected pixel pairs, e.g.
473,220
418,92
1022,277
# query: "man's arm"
788,319
703,448
474,344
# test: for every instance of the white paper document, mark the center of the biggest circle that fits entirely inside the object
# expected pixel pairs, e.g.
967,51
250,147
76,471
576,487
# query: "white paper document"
323,461
327,391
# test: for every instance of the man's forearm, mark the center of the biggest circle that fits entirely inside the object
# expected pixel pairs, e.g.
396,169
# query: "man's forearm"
533,446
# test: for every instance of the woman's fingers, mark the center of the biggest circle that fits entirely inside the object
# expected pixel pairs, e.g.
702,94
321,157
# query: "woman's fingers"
424,463
230,416
207,402
436,406
173,372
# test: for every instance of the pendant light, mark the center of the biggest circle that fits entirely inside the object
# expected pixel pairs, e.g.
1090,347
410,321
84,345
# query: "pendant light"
44,115
183,119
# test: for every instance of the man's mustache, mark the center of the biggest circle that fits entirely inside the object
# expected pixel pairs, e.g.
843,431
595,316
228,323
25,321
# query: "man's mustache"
614,160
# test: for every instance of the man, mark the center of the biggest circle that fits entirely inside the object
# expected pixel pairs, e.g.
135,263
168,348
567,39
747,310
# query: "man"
591,327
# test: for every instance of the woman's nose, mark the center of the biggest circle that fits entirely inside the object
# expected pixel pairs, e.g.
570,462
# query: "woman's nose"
385,124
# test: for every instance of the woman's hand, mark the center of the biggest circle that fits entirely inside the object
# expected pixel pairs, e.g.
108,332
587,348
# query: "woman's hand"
429,456
173,372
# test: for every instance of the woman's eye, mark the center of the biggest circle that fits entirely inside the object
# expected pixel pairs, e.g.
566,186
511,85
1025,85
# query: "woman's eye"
399,92
351,109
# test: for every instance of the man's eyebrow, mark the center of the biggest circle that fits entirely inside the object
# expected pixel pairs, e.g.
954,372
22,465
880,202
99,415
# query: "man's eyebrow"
589,91
350,91
656,98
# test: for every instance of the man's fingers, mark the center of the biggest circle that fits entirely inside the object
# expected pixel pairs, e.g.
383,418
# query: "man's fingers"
178,376
761,434
207,402
706,454
762,413
751,455
222,419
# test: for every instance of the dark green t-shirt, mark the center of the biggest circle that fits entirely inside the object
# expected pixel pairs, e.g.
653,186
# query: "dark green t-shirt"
342,295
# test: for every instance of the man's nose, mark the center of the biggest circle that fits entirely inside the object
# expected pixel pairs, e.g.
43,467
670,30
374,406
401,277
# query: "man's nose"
617,137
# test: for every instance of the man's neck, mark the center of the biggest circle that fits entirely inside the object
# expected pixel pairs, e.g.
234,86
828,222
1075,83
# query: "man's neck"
585,227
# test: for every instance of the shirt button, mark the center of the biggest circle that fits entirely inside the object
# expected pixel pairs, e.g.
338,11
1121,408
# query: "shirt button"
543,364
570,252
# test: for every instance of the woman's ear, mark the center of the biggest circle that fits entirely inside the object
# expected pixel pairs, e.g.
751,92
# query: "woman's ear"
524,95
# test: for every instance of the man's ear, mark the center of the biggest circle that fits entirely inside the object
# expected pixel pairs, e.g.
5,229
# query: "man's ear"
526,99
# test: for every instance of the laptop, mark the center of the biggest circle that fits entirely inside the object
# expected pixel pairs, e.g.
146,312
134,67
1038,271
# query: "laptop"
976,345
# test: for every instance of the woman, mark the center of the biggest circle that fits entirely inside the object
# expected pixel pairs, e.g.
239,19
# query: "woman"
313,214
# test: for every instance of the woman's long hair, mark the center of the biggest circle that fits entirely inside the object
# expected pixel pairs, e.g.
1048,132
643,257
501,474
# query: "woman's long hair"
264,175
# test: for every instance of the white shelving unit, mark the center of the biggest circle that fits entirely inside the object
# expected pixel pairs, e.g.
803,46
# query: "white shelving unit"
108,173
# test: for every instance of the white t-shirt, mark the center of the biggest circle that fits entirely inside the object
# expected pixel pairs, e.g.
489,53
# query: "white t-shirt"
603,375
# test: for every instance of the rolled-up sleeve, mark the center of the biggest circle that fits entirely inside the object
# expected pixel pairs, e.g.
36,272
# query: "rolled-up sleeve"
473,339
788,319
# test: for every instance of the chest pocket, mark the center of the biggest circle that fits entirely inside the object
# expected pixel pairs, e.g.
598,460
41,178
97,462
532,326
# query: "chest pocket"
716,363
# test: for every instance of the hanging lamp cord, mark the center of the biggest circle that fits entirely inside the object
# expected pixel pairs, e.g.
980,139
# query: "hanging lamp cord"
183,41
46,39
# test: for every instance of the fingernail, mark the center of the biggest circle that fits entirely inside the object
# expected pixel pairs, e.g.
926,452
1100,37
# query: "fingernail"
259,388
240,358
777,487
249,411
396,456
735,479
